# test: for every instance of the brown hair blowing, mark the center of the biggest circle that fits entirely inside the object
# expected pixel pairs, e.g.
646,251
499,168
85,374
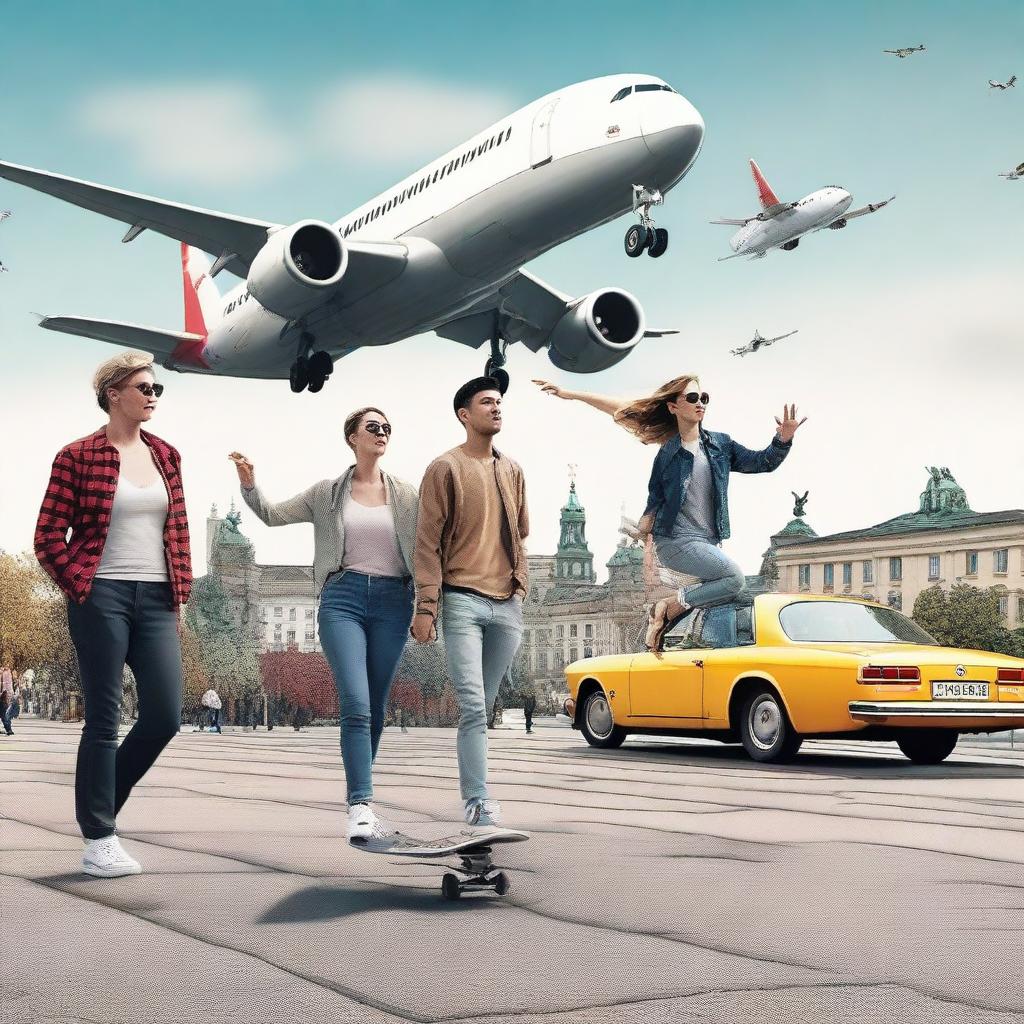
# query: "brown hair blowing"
649,418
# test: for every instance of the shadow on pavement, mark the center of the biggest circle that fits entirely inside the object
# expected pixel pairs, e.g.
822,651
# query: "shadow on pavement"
318,903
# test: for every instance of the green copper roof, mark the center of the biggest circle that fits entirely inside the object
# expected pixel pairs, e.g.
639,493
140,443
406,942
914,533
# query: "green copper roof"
919,522
796,528
626,555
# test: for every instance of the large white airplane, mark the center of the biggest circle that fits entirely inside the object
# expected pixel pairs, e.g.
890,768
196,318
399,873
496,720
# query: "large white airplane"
781,225
441,251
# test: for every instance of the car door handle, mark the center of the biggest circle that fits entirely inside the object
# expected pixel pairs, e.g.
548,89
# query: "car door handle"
698,662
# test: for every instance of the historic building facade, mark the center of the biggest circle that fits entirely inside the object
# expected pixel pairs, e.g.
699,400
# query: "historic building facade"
943,543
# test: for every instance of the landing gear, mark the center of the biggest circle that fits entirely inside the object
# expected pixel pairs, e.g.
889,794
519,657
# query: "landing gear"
790,246
494,367
645,235
310,369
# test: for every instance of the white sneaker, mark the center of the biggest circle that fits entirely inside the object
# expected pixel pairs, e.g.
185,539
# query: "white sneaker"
484,813
363,823
106,858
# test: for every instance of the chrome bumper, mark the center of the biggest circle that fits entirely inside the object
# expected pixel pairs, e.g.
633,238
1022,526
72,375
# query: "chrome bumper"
869,710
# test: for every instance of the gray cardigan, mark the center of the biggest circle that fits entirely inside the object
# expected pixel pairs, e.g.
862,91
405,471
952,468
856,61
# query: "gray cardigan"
323,505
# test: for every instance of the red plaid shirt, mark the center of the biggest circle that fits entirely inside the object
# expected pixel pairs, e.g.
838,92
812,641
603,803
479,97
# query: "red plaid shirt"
80,496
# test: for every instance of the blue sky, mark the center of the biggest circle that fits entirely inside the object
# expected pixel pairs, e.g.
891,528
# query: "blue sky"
910,329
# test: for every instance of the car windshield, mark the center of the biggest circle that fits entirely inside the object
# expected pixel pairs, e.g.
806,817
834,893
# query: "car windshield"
846,622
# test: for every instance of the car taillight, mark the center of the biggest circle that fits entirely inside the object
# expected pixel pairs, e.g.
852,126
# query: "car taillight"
889,674
1011,675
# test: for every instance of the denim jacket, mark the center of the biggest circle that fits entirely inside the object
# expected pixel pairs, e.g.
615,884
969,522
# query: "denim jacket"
673,465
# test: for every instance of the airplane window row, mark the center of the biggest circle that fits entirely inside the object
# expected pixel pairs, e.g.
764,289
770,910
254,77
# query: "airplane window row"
644,87
425,182
232,306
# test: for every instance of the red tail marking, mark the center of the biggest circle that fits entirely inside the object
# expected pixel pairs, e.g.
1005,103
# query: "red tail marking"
190,353
764,190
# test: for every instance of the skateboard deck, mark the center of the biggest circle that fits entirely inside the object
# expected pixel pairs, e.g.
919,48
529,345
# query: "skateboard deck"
472,847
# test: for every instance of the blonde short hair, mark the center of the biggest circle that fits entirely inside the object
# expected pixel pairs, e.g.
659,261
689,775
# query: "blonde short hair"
116,369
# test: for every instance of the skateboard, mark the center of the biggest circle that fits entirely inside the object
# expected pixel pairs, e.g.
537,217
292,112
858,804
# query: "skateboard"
471,846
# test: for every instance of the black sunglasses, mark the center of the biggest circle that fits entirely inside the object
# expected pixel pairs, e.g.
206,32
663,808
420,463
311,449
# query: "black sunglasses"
693,398
149,390
373,427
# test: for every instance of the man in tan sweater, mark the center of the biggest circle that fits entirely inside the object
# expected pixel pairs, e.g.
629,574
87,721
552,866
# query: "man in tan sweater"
469,548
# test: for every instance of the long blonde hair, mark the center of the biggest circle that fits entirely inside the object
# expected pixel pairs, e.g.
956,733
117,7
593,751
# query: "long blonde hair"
649,418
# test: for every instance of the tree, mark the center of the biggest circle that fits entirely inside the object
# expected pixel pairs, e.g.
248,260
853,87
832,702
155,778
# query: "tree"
931,612
968,618
299,680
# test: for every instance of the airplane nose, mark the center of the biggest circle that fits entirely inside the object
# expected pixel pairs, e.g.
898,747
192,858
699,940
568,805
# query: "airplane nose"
673,129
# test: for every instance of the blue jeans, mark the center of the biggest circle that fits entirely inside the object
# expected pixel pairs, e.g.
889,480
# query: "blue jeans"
721,578
364,624
481,637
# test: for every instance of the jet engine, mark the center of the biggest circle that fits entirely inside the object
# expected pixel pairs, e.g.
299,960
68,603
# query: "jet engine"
299,268
598,332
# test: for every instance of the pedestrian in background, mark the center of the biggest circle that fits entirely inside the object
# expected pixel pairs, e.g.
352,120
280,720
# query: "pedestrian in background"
212,703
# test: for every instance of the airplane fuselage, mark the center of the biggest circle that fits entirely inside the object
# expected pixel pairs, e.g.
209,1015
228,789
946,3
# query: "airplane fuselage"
470,219
813,212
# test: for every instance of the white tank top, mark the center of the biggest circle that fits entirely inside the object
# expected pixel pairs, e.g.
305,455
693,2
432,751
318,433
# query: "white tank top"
371,545
134,549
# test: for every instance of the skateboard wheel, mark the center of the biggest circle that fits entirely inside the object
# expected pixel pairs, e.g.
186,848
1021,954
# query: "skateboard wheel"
501,883
450,888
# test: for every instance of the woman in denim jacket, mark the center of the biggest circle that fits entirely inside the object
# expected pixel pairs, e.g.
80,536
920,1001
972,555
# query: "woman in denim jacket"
687,512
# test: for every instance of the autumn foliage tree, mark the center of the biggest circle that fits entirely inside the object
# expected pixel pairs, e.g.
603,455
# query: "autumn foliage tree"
299,680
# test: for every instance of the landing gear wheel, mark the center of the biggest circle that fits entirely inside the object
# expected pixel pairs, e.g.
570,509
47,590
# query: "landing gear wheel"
500,883
450,887
500,375
637,239
660,244
596,722
766,730
321,365
298,375
316,385
928,746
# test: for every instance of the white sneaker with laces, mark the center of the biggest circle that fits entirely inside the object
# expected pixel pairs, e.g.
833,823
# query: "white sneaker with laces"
106,858
484,813
363,823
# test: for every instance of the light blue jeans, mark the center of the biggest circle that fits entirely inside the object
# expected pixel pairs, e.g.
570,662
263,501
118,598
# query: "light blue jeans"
364,624
481,637
721,578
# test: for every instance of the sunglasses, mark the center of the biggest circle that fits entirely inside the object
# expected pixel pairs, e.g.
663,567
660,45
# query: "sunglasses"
693,398
373,427
150,390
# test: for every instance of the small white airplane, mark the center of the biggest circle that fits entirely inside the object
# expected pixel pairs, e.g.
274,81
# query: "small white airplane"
905,51
758,342
4,214
781,225
440,251
1010,83
1015,174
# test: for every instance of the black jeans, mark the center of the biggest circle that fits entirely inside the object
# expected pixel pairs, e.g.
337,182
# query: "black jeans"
215,719
123,622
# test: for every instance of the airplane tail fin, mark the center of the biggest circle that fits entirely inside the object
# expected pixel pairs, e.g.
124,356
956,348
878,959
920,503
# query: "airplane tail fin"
202,299
764,190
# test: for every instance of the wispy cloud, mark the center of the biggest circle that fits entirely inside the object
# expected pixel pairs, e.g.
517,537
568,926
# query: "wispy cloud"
208,134
401,117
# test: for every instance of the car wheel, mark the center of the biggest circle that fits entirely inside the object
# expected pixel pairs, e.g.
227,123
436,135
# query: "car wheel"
765,728
928,746
596,722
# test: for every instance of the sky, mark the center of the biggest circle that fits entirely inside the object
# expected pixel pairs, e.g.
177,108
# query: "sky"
909,351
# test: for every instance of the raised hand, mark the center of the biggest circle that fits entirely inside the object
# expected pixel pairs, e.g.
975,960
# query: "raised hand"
246,470
553,389
788,425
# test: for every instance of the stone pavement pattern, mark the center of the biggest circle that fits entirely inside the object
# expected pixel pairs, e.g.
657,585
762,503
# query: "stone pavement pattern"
663,883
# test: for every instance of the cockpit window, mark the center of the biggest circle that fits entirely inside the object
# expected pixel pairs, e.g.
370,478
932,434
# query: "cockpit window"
654,87
622,93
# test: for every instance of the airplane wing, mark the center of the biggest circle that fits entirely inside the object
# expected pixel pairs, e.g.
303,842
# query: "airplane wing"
149,339
221,234
870,208
528,310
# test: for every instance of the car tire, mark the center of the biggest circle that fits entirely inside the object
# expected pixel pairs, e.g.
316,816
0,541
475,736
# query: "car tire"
928,746
596,722
765,728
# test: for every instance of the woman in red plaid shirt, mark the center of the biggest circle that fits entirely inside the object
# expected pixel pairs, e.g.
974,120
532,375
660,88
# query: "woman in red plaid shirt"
126,570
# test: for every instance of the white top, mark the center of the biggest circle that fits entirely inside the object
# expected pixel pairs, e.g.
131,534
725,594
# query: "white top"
696,518
371,544
134,549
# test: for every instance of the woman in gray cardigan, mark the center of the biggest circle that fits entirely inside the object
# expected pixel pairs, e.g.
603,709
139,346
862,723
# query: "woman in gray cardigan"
364,535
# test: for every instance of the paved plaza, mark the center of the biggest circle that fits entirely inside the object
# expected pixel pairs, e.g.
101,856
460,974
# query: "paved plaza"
664,882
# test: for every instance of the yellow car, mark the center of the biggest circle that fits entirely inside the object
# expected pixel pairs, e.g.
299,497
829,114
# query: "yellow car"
792,666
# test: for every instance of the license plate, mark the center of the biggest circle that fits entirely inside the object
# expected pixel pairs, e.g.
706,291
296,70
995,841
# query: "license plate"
942,690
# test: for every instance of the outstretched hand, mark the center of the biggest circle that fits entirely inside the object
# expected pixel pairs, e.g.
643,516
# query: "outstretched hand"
553,389
246,470
788,425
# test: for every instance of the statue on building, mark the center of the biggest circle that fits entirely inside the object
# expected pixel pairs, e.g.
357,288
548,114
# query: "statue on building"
943,493
799,503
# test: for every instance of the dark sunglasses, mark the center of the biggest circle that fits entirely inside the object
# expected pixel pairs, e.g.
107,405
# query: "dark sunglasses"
150,390
373,427
693,398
